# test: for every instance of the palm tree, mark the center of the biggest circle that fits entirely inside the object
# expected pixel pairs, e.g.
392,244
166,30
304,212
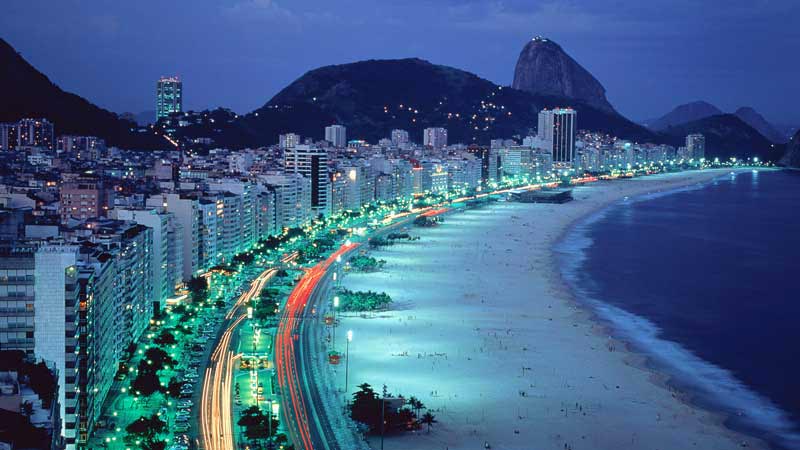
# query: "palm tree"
419,406
412,402
428,419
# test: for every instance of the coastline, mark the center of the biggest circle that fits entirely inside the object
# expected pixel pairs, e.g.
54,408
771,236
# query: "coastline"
553,331
730,406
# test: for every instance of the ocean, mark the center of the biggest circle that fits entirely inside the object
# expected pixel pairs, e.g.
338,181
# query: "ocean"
705,281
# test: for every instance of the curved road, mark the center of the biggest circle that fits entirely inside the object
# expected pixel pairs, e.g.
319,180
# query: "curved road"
304,417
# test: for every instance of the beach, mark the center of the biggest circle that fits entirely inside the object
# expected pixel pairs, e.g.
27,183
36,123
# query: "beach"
485,333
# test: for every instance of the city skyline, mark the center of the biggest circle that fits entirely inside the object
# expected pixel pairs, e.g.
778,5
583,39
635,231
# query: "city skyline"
398,253
712,53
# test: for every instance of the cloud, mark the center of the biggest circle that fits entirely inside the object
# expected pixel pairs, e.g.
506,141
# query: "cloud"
261,10
270,11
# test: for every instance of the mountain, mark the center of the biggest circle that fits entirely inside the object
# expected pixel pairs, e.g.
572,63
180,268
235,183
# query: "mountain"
684,113
787,130
544,68
143,118
29,93
792,156
374,97
727,136
757,121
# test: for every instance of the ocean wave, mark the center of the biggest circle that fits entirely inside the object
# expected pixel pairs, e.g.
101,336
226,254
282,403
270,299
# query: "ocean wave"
713,387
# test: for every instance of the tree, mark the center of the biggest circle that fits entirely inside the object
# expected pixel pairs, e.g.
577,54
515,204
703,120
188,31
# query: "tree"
366,407
416,404
197,285
165,338
146,383
146,427
256,423
428,419
159,358
153,444
42,381
174,387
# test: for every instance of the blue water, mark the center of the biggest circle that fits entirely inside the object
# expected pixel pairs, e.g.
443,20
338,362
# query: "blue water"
706,282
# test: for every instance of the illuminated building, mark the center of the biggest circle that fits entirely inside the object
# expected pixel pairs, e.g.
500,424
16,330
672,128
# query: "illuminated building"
27,133
557,131
166,263
40,298
311,162
435,138
85,198
336,135
292,197
399,137
169,96
85,148
696,146
288,140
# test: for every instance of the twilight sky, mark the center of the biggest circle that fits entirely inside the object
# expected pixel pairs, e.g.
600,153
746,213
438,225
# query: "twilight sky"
650,55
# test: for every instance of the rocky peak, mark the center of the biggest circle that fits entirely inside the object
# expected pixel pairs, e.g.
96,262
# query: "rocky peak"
792,156
544,68
751,117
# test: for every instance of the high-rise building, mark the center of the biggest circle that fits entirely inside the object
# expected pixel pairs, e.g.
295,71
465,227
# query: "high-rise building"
482,154
311,162
166,263
169,96
288,140
336,135
399,137
35,133
85,148
292,197
40,298
696,146
8,136
244,216
557,131
435,138
186,210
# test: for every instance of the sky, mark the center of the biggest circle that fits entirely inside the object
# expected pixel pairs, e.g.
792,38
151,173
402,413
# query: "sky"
650,55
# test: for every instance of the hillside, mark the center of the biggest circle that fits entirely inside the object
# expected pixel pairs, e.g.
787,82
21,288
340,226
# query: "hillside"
29,93
682,114
751,117
792,156
373,97
727,136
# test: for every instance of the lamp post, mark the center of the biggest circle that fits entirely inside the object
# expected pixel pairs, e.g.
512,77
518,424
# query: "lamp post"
269,419
335,305
347,360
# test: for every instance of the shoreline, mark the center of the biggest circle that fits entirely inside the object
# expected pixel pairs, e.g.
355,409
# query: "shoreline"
663,374
635,356
709,429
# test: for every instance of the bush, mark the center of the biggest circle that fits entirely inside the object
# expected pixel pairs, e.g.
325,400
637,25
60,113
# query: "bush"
362,263
363,301
165,338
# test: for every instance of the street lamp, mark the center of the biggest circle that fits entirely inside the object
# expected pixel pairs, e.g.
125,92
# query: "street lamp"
335,305
347,360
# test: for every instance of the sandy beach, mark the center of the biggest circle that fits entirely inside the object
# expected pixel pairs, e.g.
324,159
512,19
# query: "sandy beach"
485,333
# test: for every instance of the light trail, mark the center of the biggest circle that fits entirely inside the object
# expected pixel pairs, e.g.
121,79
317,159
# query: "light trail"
216,417
291,390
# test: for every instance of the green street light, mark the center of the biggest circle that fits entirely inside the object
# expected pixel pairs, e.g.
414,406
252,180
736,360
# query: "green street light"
347,359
